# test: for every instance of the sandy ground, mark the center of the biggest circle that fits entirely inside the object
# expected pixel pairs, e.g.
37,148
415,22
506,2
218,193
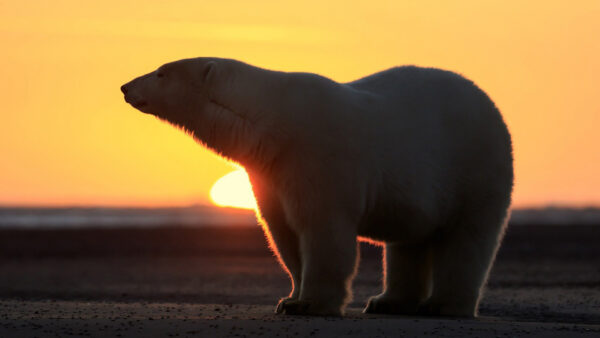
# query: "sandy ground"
224,282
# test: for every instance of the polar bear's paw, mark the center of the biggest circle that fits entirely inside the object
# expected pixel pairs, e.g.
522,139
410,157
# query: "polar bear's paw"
386,305
307,308
281,305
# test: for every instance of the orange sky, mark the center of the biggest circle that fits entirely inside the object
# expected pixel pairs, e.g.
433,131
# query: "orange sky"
67,137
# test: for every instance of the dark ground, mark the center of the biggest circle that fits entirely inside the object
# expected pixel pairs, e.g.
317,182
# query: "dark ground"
177,280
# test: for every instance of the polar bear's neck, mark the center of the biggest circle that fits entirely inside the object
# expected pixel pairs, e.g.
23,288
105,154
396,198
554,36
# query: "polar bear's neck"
231,136
248,91
236,122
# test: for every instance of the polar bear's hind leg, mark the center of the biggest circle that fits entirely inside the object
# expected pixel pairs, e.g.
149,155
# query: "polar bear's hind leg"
407,273
461,262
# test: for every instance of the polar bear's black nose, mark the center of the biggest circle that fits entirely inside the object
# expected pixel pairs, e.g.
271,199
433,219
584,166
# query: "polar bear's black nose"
124,89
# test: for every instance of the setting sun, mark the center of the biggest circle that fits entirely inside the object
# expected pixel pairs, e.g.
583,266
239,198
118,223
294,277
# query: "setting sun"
233,190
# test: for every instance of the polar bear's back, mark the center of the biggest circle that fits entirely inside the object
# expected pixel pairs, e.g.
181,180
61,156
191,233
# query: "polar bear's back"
442,140
428,92
433,109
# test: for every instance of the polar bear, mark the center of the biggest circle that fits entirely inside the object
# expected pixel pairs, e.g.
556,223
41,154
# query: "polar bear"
418,159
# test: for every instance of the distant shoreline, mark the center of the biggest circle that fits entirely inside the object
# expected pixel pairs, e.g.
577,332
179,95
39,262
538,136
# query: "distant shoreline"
206,215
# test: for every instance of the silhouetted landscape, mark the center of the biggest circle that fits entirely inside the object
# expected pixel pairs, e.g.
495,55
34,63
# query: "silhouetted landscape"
220,279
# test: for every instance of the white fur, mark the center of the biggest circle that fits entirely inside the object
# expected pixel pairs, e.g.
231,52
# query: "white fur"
417,158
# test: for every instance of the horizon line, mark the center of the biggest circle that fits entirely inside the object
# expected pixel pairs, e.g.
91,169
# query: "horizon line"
572,206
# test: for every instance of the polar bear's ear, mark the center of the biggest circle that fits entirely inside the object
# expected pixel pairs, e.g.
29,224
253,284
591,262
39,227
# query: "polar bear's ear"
208,71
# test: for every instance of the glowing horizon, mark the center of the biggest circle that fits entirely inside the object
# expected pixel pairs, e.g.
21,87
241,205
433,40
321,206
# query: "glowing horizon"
67,137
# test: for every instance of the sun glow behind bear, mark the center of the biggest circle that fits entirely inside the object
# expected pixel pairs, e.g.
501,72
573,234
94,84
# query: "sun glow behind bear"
233,190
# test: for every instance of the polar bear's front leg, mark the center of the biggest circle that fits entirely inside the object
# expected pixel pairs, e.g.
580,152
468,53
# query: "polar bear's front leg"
285,244
282,239
329,259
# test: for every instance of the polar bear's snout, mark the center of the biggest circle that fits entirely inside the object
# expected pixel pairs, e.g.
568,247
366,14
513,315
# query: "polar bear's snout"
131,97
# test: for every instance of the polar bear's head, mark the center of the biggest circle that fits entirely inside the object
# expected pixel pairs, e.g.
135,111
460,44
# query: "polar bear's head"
175,92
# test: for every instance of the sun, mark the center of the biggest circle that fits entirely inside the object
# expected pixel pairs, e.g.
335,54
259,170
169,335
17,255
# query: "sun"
233,190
